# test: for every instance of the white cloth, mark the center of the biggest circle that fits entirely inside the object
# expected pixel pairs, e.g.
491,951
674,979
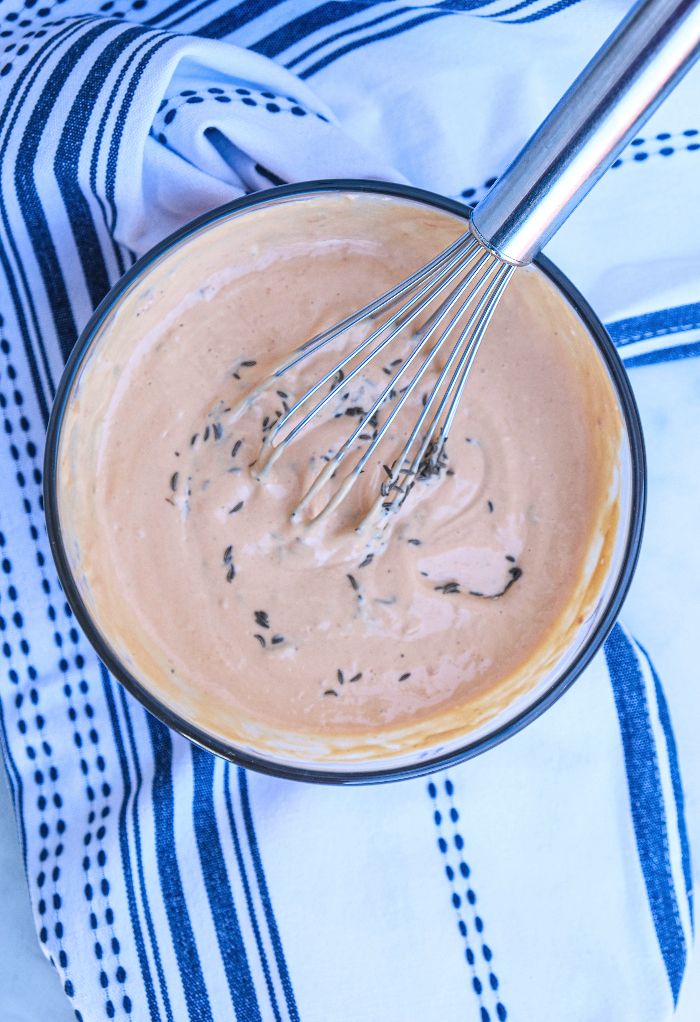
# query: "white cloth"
167,885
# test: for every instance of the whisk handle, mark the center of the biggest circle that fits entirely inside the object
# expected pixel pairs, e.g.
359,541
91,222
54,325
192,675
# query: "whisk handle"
632,73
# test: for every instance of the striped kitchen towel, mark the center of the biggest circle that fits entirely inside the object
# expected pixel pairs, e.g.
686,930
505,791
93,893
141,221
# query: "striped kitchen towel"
550,878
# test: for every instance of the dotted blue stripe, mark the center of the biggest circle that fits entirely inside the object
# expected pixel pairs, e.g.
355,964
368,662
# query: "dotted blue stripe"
646,801
665,149
97,887
665,718
265,897
194,989
29,716
216,882
249,900
45,772
30,722
461,898
387,34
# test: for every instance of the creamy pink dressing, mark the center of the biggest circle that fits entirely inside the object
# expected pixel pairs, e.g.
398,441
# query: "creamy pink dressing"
325,642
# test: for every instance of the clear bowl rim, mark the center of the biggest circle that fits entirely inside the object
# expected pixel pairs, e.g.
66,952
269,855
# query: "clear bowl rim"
373,775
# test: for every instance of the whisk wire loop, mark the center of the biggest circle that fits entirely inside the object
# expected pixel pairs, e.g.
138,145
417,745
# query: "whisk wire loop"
476,326
402,318
459,250
483,269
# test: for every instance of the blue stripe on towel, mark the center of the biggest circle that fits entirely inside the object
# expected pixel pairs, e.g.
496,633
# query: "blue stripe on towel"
463,5
124,849
396,30
15,779
139,858
665,718
27,191
194,989
97,148
510,10
561,5
235,18
223,909
67,161
169,11
646,801
346,31
265,897
655,324
188,14
20,289
691,350
118,128
26,339
246,887
312,21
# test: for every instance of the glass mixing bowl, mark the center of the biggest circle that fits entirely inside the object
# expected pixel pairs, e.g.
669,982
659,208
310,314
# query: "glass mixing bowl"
288,755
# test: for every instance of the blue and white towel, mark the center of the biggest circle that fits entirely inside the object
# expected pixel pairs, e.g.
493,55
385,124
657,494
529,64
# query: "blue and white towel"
549,879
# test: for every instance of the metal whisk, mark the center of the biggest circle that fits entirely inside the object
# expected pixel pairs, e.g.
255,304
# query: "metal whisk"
617,92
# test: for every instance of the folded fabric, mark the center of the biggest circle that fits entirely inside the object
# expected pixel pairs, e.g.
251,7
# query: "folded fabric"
550,878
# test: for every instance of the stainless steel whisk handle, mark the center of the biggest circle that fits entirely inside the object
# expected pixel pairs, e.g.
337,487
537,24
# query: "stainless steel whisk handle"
615,94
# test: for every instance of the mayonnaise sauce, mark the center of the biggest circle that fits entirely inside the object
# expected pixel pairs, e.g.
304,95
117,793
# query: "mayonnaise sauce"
327,641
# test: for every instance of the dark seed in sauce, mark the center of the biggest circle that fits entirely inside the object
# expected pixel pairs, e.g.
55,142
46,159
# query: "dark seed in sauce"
449,588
